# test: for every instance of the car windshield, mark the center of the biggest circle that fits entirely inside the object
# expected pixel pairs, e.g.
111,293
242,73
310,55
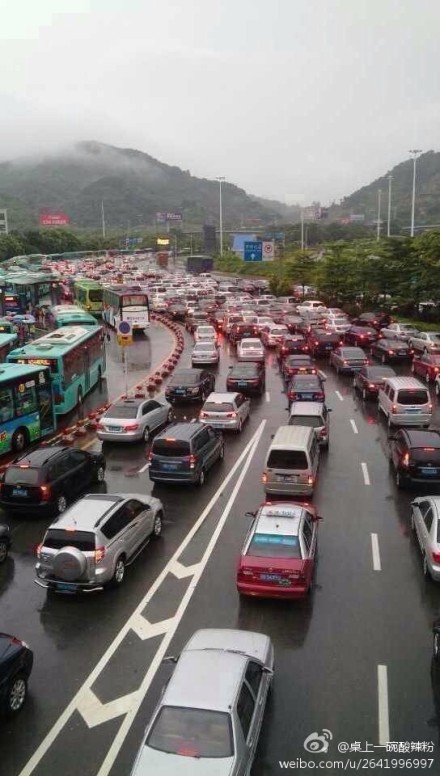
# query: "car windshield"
192,732
287,459
312,421
408,397
250,345
353,353
426,455
264,545
121,411
23,475
184,379
380,372
81,540
243,371
95,294
171,448
220,406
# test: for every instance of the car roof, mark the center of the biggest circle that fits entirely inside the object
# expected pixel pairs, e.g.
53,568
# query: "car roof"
85,513
205,679
307,408
39,457
222,397
181,431
297,436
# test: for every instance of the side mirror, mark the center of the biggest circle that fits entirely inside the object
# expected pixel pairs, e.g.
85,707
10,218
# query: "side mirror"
267,670
329,409
319,517
392,439
250,514
170,659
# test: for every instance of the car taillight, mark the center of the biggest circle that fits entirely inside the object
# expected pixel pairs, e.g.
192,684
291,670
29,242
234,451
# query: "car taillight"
436,557
246,572
231,414
194,390
405,460
310,480
202,414
345,362
264,477
371,385
430,407
150,456
391,352
99,427
394,409
38,550
131,427
99,554
323,432
192,461
44,492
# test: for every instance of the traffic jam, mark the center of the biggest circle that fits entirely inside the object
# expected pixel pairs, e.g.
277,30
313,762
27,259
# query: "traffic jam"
243,554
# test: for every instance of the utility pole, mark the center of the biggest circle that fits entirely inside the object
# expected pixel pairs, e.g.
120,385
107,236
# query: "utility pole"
390,178
220,179
103,218
415,153
302,229
379,195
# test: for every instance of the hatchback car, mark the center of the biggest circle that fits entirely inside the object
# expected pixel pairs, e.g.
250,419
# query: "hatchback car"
426,342
314,414
427,365
297,365
271,336
205,352
241,331
391,350
90,546
415,457
400,331
278,556
209,716
305,388
185,453
189,385
203,333
338,324
129,420
45,480
226,411
368,379
360,335
348,359
16,660
321,342
5,541
247,377
250,350
425,522
294,344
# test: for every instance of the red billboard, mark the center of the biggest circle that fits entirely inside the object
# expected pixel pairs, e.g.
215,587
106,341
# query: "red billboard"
54,218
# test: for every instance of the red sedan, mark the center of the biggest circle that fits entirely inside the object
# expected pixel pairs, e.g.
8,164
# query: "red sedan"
427,365
278,557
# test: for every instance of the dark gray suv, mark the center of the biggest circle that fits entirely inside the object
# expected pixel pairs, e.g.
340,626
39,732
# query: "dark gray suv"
184,453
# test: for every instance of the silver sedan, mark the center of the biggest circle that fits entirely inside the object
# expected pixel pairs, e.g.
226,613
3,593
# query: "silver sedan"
130,420
205,352
226,411
425,522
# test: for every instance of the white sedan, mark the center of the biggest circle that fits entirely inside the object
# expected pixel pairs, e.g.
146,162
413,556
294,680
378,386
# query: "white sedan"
250,350
205,352
205,333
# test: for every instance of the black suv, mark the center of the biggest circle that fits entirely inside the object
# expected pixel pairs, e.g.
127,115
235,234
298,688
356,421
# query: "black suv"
241,331
248,377
190,385
16,660
415,457
184,453
322,342
45,480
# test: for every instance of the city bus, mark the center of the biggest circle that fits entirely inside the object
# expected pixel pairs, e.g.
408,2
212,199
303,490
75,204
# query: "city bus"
27,410
76,358
88,295
69,315
126,303
6,326
7,343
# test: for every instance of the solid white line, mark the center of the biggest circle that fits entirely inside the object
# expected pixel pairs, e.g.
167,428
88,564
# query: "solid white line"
376,554
365,473
324,374
144,468
267,396
155,663
382,699
339,395
354,427
111,649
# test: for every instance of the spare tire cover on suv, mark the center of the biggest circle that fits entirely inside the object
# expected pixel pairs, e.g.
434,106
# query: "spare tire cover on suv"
69,564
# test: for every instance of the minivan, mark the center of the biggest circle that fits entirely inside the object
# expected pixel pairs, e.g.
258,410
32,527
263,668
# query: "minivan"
184,453
314,414
405,401
292,462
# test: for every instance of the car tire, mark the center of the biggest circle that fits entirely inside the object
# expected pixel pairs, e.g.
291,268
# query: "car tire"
157,526
119,572
15,695
100,474
80,397
413,371
201,478
240,426
364,394
221,454
146,434
4,549
436,647
20,439
337,369
170,416
61,504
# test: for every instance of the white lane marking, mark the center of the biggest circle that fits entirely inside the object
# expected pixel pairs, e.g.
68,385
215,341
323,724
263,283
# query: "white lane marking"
339,395
354,426
365,473
375,550
95,713
382,701
144,468
111,649
324,374
157,659
267,396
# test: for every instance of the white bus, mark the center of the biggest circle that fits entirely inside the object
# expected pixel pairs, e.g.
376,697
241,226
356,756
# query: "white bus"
126,303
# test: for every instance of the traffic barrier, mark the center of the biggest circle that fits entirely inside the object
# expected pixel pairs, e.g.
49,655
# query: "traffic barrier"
139,395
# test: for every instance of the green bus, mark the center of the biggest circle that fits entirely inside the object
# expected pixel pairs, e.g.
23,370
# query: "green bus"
88,295
7,343
27,410
76,358
69,315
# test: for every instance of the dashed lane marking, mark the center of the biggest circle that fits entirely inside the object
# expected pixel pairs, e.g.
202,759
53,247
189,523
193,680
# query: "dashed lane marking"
382,700
365,473
339,395
267,396
143,468
354,427
375,551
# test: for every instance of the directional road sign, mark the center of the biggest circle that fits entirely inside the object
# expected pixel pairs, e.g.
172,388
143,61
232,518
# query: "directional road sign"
124,333
253,251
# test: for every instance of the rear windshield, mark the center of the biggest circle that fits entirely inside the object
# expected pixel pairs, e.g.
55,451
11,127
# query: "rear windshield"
184,379
287,459
302,420
221,406
57,539
208,346
121,412
412,397
245,370
192,732
249,344
274,546
426,455
15,475
171,448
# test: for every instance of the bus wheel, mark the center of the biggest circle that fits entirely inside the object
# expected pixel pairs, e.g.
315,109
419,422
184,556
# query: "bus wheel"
99,377
19,440
80,396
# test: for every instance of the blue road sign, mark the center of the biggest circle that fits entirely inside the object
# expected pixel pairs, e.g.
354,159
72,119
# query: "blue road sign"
124,327
253,251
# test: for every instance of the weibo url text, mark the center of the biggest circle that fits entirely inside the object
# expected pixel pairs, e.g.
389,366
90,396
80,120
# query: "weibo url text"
357,764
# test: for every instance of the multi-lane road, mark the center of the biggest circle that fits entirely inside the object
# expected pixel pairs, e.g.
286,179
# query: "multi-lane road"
353,659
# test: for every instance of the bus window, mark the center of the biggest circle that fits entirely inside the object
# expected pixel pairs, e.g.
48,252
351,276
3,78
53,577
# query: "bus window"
6,405
25,399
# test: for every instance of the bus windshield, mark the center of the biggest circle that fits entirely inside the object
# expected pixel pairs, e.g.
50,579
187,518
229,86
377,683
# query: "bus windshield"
133,300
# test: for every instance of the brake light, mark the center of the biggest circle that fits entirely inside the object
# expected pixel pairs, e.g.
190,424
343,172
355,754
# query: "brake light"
231,414
313,372
38,550
371,385
99,427
394,409
345,362
150,456
430,407
132,427
310,480
44,492
246,572
99,554
405,460
323,432
264,477
436,557
202,414
192,461
391,352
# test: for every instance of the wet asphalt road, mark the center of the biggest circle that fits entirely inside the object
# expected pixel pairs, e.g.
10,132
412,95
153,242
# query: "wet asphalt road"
327,648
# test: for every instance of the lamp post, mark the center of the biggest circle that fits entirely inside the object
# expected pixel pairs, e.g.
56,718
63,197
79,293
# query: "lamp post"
414,153
302,229
220,179
390,178
379,196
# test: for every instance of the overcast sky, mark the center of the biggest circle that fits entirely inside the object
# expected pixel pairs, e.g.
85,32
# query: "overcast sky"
298,100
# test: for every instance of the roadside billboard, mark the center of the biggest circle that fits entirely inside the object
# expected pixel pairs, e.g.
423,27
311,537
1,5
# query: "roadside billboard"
53,218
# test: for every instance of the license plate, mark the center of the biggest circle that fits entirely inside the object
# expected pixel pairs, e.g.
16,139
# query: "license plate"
429,471
270,577
241,383
169,467
306,396
328,346
287,478
412,411
113,428
402,353
21,492
179,390
65,586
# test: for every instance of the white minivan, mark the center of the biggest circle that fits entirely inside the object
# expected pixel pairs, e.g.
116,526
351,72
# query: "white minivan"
405,401
292,462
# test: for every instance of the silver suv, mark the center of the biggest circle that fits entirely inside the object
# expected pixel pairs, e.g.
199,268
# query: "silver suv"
93,541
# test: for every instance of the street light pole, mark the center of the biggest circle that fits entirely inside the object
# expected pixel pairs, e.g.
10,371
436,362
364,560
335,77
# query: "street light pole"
390,178
414,152
379,196
220,179
302,229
